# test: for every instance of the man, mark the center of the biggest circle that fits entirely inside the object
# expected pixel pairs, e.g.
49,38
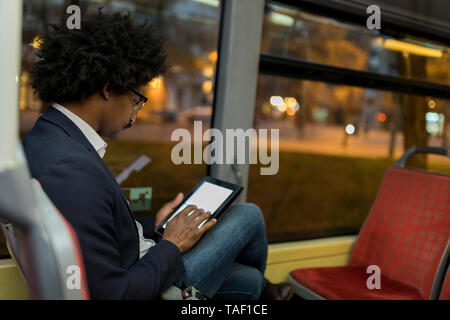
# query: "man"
95,77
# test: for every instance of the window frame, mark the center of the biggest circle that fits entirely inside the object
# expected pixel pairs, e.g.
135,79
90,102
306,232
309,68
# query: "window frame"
240,35
231,48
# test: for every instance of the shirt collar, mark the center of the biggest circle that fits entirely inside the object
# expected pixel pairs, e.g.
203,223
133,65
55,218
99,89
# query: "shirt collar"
93,137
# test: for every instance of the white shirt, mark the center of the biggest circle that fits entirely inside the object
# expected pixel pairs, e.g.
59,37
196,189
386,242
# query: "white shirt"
100,146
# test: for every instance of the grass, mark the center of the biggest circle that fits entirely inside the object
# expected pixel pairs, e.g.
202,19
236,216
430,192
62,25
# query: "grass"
316,195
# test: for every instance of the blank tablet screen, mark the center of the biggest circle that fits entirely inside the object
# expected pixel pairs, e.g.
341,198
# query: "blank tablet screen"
208,197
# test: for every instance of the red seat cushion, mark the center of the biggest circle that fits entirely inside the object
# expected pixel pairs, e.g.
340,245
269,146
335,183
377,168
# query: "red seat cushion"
350,283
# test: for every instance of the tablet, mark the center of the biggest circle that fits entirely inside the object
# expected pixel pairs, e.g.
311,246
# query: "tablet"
211,195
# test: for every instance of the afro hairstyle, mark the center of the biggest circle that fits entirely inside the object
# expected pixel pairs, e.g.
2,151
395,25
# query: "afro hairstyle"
108,49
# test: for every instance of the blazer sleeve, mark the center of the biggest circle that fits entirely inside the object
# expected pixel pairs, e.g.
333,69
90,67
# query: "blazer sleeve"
85,198
148,227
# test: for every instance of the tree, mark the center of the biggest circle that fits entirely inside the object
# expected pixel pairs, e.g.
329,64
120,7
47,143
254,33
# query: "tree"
414,108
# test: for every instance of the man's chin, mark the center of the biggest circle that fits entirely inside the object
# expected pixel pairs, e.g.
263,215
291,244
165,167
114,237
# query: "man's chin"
116,134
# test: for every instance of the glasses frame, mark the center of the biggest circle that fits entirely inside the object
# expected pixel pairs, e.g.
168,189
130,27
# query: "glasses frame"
139,105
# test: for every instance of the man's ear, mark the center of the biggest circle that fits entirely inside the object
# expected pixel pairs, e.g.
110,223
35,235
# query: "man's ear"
106,92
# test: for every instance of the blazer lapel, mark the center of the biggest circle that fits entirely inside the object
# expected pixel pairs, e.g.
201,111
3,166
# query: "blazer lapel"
55,116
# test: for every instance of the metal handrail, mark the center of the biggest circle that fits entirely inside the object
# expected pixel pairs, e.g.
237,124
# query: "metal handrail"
401,163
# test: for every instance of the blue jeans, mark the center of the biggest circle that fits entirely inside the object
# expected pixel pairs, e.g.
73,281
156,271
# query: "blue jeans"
228,263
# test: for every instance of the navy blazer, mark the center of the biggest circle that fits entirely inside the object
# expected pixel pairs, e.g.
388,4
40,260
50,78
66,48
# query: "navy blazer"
80,185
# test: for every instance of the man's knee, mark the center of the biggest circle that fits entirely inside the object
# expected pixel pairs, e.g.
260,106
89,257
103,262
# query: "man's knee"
250,213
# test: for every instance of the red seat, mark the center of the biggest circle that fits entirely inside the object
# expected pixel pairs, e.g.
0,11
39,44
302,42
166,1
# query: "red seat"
405,234
349,283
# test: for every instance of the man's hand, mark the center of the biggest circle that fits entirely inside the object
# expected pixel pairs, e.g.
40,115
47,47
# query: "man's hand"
167,209
183,229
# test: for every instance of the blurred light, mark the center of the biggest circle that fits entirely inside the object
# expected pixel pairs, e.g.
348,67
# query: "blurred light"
382,117
212,56
290,101
378,41
208,72
432,104
402,46
290,111
281,19
350,129
207,86
155,84
320,114
434,123
432,116
266,108
276,101
212,3
37,42
282,108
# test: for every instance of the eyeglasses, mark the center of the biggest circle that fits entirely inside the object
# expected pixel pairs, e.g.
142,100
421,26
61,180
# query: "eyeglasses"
137,106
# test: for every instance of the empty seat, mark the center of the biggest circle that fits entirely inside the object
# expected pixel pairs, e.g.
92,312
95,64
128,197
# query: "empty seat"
406,235
349,283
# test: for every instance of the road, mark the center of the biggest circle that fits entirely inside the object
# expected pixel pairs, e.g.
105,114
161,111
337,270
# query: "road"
321,139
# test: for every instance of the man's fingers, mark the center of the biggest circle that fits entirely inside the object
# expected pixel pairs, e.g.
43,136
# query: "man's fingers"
206,226
175,202
196,214
188,210
202,218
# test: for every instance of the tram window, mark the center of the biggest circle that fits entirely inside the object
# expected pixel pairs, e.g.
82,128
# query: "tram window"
182,95
292,33
334,148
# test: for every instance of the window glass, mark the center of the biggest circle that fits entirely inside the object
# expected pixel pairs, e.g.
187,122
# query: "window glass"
292,33
335,144
182,95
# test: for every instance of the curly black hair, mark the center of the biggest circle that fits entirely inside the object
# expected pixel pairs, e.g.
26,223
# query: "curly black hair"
110,49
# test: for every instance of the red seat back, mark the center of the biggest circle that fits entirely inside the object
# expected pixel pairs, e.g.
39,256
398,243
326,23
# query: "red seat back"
407,228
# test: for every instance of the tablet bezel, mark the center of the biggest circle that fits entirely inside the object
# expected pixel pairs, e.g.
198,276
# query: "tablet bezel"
236,190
